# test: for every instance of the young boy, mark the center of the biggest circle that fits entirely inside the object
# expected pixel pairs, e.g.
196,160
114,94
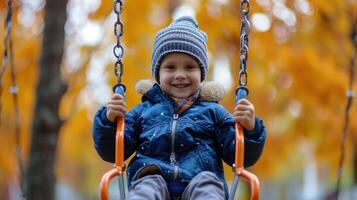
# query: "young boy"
179,132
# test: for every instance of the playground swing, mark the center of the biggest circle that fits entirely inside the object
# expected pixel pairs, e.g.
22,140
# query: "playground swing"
241,92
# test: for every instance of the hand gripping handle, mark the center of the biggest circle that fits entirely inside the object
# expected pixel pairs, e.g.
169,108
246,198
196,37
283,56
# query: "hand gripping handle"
241,92
238,168
119,138
119,166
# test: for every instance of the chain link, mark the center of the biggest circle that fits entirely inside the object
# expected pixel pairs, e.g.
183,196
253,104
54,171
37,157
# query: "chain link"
118,49
349,102
8,60
6,53
244,33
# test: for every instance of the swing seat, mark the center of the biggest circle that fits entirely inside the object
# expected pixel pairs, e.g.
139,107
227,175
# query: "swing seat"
107,177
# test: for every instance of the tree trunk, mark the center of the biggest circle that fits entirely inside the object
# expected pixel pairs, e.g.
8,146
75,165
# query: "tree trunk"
40,177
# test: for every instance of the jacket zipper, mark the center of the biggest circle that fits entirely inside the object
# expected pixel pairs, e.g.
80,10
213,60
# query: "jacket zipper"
173,138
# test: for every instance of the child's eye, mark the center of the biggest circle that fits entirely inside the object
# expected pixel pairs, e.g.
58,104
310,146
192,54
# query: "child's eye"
169,67
191,67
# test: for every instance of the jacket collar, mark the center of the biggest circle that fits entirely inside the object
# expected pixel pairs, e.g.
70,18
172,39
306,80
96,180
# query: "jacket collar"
154,94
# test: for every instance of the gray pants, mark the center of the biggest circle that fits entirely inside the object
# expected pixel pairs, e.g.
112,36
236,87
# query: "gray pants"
204,186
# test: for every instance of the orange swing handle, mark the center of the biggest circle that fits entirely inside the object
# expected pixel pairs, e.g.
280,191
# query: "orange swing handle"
238,167
119,144
239,170
119,166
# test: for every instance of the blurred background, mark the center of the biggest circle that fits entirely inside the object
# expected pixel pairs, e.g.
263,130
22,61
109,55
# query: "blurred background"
300,54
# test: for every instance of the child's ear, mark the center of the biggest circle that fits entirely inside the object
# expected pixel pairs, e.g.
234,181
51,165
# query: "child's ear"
143,86
211,91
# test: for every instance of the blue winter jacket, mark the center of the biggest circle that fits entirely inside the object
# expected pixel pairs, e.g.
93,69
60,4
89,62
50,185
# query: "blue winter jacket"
178,146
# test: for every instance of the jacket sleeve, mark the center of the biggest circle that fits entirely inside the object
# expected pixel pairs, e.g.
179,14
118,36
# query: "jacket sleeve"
104,135
253,140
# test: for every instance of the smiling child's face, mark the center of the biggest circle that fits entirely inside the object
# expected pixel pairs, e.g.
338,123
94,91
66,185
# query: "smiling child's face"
180,75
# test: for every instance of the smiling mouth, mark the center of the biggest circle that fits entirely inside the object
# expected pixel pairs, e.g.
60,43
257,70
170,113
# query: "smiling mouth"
180,85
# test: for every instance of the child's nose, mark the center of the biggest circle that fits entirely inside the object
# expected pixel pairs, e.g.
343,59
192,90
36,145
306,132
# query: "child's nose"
180,74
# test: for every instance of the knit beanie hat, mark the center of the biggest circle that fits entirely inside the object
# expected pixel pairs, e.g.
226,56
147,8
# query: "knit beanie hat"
183,36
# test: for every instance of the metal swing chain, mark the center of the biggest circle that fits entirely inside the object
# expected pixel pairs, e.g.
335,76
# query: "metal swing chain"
8,58
350,95
244,33
118,49
6,48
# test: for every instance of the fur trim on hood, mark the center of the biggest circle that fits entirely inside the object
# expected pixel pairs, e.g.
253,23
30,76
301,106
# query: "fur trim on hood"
209,90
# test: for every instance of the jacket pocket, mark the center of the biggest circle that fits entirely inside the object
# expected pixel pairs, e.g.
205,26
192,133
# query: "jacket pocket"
155,141
208,159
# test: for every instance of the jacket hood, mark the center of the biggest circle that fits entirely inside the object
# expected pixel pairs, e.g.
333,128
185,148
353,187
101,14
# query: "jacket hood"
209,90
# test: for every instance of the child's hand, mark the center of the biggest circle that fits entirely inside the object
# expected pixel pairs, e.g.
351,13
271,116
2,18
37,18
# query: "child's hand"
244,114
116,107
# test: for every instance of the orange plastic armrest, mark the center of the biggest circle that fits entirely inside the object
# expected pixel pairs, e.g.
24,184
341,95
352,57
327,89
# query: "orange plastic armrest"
239,161
119,165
